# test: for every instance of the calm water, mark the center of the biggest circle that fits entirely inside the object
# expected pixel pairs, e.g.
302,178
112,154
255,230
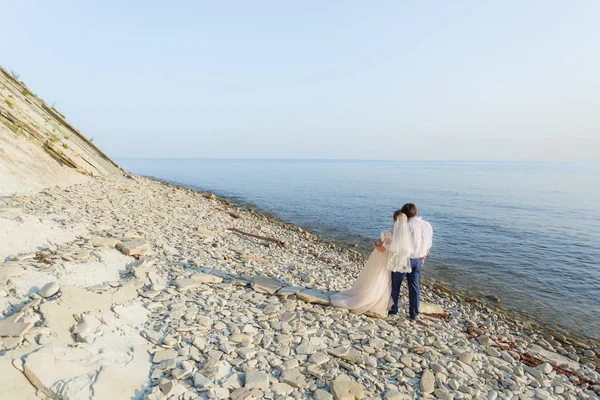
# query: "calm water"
528,233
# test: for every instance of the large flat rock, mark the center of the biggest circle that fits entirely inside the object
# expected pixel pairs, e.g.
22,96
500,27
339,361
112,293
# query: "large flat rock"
133,247
288,291
554,358
428,308
186,283
61,372
58,314
202,277
346,389
100,241
10,327
125,382
262,284
13,383
347,353
84,372
313,296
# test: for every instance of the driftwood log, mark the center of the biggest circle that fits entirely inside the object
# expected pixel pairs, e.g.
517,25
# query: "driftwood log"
268,239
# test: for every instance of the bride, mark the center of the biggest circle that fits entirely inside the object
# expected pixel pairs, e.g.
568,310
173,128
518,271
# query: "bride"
371,292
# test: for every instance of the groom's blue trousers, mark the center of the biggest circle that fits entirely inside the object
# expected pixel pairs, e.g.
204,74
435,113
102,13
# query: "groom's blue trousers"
414,290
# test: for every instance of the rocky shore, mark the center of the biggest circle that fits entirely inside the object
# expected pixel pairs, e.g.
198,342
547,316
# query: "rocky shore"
125,287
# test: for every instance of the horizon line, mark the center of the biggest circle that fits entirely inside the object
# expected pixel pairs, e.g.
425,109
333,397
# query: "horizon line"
350,159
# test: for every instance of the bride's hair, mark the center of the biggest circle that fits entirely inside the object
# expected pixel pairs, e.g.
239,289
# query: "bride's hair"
397,214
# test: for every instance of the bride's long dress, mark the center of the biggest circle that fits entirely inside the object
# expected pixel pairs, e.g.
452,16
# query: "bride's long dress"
371,292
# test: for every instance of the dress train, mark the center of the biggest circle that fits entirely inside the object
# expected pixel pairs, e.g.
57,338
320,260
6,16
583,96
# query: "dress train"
371,292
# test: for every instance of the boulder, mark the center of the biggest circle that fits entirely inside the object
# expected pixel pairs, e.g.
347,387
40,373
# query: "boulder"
49,289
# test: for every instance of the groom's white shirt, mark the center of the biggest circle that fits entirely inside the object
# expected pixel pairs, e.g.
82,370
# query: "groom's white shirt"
421,236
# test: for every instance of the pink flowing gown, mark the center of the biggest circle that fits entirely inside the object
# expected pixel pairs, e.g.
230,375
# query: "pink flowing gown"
371,292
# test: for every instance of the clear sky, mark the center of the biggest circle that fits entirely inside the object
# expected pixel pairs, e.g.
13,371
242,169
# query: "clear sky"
399,80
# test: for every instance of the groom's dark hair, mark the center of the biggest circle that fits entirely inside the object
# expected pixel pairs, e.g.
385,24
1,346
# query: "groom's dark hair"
410,210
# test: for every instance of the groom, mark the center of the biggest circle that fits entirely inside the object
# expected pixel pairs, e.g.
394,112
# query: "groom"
421,236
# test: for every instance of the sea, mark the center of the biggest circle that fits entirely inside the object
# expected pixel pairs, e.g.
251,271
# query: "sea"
524,236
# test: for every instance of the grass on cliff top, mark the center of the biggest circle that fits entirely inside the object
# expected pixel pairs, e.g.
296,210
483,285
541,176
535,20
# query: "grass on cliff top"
17,75
56,111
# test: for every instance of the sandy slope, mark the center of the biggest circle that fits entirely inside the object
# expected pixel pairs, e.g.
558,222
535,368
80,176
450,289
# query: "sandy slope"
38,147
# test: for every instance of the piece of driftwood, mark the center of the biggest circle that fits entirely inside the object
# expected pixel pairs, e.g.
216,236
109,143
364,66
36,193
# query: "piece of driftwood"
268,239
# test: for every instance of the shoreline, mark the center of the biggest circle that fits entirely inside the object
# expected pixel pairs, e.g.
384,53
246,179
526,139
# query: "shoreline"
364,250
338,240
152,276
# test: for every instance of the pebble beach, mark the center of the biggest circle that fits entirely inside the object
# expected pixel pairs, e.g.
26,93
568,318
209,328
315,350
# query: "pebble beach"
125,287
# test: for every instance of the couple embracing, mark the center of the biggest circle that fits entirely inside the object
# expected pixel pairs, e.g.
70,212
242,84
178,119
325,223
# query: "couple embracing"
399,253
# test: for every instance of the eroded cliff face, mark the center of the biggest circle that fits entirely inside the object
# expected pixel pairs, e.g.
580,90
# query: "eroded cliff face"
38,147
